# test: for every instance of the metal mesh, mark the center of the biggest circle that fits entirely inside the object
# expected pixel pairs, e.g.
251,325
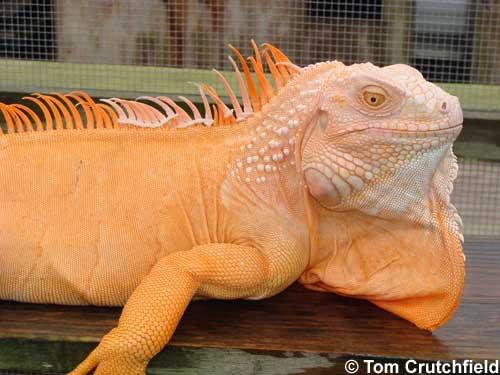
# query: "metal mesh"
98,43
129,48
477,197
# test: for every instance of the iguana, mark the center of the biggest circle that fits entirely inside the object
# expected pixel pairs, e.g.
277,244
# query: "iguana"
337,176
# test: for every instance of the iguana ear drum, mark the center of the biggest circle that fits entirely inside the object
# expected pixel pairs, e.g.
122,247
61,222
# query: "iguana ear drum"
322,121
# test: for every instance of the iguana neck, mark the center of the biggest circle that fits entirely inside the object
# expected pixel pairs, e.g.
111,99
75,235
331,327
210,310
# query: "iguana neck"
271,146
395,262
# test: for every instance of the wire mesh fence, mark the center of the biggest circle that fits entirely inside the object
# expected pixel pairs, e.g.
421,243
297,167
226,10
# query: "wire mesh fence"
96,42
131,47
477,197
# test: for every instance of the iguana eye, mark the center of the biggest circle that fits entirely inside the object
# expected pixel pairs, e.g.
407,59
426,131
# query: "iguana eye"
374,96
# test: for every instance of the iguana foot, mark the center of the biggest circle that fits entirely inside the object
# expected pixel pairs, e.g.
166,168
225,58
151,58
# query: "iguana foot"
113,356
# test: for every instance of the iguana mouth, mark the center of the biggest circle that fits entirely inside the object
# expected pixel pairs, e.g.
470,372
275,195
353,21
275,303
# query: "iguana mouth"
451,130
429,131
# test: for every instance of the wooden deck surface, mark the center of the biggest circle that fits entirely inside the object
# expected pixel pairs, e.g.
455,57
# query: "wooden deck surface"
298,331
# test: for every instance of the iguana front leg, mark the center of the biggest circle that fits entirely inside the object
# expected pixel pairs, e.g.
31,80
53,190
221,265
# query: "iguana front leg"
154,309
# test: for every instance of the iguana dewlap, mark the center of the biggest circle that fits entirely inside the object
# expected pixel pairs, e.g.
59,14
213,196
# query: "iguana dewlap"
338,176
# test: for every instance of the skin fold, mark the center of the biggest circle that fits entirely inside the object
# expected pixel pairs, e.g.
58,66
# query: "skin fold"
336,176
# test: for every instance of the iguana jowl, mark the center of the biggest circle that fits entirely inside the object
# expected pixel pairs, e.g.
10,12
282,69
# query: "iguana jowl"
338,176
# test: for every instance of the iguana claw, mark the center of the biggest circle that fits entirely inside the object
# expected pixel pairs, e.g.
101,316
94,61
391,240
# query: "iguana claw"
112,356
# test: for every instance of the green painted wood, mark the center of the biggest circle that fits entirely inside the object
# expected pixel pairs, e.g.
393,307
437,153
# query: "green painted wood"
475,151
131,81
475,97
104,79
57,358
31,356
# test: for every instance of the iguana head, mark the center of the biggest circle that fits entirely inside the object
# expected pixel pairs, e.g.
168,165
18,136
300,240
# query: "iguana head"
379,169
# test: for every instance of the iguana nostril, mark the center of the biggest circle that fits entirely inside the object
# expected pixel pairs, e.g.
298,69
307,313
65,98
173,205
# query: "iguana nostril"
445,106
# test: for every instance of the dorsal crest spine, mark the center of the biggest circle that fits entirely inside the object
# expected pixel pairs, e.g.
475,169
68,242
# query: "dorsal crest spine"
60,111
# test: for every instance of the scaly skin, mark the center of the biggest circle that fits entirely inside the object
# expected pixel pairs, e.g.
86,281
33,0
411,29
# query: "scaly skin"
341,180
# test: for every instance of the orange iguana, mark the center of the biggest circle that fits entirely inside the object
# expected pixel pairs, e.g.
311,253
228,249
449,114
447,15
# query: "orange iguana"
338,176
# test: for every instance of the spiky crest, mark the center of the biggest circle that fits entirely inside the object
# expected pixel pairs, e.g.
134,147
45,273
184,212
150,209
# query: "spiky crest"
60,111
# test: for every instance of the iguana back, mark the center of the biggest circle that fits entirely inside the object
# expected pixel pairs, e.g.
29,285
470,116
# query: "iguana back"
93,210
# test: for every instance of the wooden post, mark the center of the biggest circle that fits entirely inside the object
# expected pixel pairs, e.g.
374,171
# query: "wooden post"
486,49
398,16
